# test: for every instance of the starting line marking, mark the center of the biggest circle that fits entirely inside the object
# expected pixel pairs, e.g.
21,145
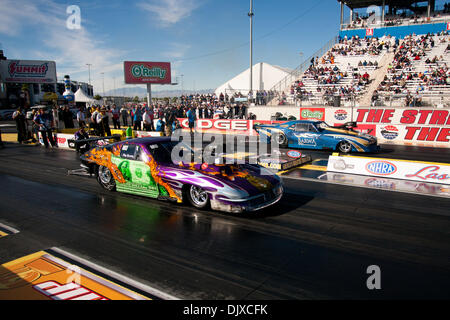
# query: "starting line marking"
313,167
44,276
7,230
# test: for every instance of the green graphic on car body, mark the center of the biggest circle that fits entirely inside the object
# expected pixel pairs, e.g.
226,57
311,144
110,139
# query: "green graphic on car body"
139,180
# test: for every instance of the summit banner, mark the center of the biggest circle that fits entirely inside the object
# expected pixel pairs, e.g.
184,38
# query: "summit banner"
28,71
139,72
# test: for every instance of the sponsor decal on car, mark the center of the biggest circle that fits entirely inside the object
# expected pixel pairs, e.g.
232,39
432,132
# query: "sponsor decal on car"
389,132
381,167
306,139
340,114
294,154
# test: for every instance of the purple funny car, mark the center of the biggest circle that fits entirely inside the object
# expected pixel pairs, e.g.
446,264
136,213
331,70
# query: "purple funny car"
145,167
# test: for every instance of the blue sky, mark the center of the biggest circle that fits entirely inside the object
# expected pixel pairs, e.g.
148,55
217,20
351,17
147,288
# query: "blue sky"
205,40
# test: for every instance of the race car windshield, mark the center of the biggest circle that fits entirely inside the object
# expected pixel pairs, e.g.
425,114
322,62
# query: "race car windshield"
165,152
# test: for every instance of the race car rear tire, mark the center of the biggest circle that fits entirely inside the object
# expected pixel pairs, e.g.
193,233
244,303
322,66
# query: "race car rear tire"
105,178
344,147
280,139
197,196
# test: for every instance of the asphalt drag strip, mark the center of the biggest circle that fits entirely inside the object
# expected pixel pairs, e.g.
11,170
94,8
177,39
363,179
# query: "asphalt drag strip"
316,243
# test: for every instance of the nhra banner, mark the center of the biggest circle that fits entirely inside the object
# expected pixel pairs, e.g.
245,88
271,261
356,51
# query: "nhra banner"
405,126
388,168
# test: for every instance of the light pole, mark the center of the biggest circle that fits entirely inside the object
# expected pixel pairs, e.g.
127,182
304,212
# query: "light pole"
250,14
114,81
182,84
103,79
89,68
301,55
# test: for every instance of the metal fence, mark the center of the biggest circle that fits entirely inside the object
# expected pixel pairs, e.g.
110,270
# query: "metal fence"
384,100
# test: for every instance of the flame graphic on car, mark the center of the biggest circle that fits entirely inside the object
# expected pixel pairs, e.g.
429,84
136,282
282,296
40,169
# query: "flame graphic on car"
103,158
156,174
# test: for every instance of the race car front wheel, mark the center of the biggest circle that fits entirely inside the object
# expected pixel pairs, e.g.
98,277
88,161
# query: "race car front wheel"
344,147
280,139
198,197
105,178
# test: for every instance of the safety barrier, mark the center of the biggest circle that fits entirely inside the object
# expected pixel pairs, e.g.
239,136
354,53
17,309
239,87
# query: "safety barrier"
430,172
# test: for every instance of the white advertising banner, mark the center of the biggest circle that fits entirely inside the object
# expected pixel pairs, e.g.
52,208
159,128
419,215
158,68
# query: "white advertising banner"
143,134
62,139
390,168
28,71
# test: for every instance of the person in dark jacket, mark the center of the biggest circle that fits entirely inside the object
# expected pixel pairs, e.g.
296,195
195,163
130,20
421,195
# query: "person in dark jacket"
68,118
21,125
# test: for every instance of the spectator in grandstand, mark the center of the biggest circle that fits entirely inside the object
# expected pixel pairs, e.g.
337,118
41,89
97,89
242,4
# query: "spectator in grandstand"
374,98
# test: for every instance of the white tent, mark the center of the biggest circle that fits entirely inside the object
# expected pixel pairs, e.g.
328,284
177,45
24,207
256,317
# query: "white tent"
265,76
80,96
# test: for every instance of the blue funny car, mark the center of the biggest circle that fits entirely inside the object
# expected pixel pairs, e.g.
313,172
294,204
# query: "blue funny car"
317,135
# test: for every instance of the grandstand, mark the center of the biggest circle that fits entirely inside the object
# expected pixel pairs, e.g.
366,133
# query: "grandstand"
396,57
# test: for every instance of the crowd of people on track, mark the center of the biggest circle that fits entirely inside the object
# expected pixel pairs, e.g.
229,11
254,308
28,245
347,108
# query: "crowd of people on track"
98,120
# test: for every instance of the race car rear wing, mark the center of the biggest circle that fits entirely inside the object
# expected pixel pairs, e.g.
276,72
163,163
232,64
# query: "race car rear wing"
347,125
75,144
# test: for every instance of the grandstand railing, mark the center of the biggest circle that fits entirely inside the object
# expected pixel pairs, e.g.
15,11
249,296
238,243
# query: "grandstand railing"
297,72
407,21
427,99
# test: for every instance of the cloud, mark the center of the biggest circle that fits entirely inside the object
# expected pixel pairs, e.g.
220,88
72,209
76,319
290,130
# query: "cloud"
176,51
169,12
70,49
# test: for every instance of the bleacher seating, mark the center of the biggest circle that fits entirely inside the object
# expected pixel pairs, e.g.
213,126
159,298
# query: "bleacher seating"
345,71
419,72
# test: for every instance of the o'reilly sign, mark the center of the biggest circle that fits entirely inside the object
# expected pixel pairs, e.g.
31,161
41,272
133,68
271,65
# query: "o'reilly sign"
139,72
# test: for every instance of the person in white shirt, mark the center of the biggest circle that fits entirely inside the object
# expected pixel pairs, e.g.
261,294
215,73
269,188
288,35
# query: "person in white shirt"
81,117
148,119
94,124
103,122
55,113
